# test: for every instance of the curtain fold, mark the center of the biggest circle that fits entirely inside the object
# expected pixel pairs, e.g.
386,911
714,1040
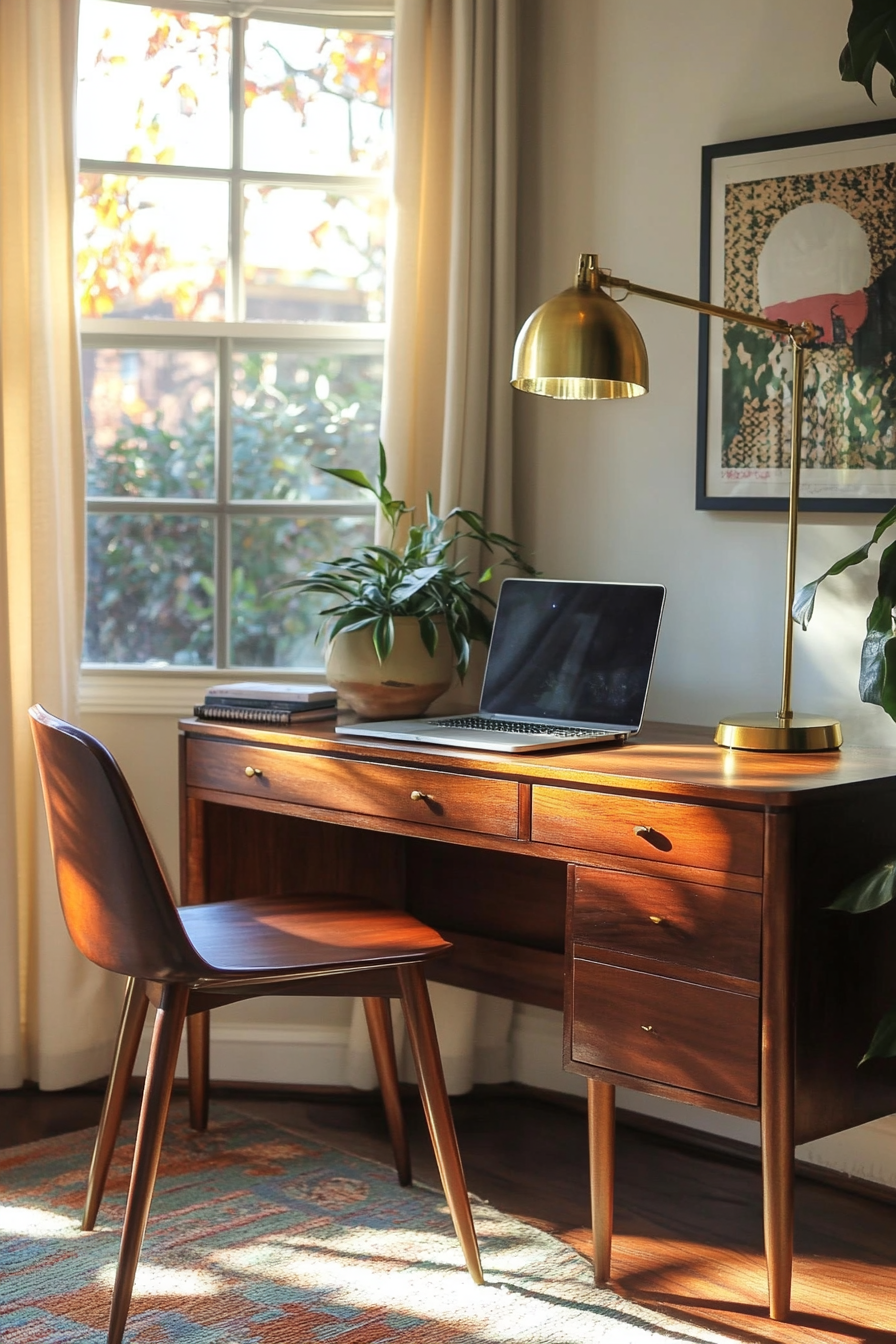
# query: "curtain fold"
447,399
447,408
57,1012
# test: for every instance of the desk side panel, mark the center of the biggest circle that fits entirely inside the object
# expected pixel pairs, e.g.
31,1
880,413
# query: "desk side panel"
845,972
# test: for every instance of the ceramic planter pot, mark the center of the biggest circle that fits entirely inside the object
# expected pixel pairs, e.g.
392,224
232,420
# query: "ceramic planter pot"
401,687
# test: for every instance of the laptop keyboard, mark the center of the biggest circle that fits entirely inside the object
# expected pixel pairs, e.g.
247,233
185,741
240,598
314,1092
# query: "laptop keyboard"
478,723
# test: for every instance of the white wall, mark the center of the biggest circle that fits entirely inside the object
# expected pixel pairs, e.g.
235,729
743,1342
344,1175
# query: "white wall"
618,99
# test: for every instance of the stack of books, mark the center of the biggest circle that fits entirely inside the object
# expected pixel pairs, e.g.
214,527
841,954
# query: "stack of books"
267,702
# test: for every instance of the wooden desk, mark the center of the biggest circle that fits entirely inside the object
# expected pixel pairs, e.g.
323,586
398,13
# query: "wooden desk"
669,895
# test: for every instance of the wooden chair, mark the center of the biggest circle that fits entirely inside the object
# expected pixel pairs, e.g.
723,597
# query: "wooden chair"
121,915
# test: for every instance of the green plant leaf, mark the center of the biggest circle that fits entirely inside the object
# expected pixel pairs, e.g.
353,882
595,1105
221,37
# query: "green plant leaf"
870,891
872,667
353,477
883,1042
414,582
347,623
871,40
429,634
383,637
804,602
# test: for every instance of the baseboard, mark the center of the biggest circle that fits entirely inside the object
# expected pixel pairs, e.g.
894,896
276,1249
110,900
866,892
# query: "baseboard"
271,1053
316,1055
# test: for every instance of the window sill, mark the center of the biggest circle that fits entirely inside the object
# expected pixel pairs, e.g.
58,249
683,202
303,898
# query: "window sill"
140,690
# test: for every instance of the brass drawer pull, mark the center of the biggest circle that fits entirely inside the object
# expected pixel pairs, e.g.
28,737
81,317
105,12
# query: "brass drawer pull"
418,797
656,919
251,771
646,1028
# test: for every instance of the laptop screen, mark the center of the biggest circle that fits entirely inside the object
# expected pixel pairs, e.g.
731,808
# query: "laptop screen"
578,653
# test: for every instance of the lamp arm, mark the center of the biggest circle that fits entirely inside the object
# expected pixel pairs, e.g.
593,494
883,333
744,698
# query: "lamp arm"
805,331
798,336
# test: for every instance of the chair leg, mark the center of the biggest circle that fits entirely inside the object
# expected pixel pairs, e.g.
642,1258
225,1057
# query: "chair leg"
153,1113
425,1045
382,1042
197,1068
133,1015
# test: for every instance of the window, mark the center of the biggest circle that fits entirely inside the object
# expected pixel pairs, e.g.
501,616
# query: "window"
230,227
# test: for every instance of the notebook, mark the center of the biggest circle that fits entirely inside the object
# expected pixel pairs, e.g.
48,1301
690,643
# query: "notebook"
569,663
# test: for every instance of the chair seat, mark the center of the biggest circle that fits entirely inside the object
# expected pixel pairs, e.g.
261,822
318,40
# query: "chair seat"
313,933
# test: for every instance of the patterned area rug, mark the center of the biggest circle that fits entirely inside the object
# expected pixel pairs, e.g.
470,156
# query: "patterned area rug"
258,1235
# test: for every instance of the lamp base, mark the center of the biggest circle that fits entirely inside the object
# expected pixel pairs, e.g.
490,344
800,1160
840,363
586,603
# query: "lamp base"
766,732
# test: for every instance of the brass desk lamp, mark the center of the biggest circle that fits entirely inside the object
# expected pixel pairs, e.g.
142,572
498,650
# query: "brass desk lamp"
582,345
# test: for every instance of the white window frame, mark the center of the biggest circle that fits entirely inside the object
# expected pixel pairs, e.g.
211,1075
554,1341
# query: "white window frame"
127,688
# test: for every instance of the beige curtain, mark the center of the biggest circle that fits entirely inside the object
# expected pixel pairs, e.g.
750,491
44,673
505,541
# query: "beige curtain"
57,1012
447,407
447,398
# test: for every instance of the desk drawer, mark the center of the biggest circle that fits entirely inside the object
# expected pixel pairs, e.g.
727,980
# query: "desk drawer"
697,837
684,923
458,802
666,1031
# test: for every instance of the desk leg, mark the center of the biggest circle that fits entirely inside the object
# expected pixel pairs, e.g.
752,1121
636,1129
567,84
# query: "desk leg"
602,1160
777,1206
193,886
777,1064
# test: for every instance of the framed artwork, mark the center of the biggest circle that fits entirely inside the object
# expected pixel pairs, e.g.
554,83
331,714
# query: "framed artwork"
795,227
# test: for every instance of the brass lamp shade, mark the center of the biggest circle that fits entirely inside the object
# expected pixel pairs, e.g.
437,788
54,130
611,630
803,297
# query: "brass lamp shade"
581,345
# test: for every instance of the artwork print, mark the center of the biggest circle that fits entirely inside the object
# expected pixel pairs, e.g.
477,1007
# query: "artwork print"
801,228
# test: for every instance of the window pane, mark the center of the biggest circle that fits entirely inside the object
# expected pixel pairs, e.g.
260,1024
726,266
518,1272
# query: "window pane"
150,589
314,255
153,85
151,247
150,422
317,100
271,629
292,414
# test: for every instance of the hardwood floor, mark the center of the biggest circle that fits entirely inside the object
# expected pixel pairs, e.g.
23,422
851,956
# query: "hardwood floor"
688,1220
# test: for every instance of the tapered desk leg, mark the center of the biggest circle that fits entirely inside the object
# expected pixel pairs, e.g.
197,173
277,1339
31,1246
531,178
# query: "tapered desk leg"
602,1155
777,1201
777,1064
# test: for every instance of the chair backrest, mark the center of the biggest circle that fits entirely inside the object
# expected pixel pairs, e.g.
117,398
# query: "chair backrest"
116,901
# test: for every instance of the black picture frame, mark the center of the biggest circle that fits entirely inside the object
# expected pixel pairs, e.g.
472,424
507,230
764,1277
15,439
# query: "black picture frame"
819,494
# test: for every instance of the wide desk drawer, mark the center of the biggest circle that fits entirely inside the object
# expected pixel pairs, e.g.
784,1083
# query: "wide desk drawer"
683,833
685,923
666,1031
458,802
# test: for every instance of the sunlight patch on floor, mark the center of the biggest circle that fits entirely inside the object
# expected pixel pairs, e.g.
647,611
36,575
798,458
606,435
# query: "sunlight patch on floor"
18,1221
162,1281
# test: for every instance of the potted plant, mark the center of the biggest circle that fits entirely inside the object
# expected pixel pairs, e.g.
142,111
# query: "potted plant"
403,619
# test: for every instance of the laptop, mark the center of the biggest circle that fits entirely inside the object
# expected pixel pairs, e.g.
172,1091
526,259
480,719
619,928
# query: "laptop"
569,663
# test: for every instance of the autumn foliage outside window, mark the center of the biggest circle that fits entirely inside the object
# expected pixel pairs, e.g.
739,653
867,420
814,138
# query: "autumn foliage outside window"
231,230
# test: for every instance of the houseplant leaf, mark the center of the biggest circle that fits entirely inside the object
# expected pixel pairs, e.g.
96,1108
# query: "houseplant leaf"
871,41
883,1042
869,892
383,637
